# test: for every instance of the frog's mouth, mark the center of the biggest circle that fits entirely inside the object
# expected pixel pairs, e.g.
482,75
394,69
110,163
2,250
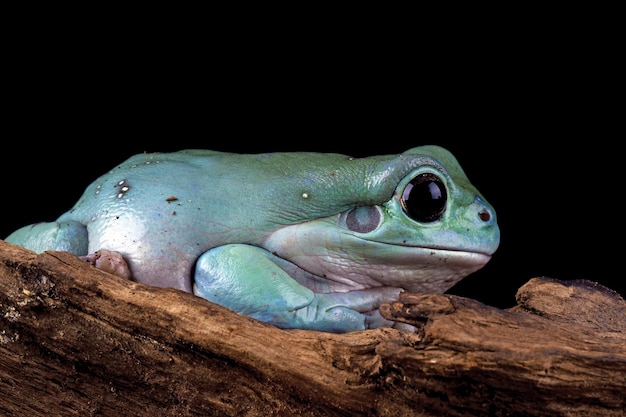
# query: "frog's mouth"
413,268
416,269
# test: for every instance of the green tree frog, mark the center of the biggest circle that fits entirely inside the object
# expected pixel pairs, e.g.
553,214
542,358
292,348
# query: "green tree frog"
299,240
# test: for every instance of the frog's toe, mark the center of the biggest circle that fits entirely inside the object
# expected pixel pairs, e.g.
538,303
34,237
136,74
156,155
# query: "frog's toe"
326,314
374,320
364,301
332,319
404,327
109,261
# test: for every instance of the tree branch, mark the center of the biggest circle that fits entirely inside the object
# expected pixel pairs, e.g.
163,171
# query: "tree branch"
78,341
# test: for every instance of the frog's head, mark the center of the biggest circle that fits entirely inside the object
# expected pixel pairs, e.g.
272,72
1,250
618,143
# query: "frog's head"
412,221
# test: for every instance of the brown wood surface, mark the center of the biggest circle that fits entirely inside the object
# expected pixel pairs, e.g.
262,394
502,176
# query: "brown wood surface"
76,341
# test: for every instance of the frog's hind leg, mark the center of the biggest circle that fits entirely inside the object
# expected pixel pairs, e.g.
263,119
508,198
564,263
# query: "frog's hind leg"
70,237
66,236
246,279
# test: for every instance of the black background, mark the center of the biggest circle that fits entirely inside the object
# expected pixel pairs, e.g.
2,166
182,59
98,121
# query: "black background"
537,130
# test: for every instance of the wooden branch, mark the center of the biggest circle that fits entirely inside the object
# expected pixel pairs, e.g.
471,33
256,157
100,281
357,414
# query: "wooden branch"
75,341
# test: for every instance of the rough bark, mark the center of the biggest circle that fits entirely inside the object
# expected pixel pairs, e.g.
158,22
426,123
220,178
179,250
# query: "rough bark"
76,341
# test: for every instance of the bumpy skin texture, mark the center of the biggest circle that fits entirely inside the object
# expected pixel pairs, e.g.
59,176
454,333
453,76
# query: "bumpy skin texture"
299,240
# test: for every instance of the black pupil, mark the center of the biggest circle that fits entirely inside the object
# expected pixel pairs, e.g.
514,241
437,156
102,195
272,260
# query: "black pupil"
424,198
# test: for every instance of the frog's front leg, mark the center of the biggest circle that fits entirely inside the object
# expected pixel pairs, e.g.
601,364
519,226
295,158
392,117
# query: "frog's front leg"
246,280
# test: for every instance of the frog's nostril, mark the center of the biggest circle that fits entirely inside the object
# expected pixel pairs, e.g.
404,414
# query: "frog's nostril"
484,215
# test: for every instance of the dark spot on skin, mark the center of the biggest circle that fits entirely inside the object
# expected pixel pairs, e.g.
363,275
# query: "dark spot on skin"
174,213
171,198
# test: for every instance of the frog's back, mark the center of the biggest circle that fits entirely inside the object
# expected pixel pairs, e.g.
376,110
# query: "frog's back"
162,210
234,193
160,197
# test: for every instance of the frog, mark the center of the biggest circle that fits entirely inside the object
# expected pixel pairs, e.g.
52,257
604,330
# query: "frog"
297,240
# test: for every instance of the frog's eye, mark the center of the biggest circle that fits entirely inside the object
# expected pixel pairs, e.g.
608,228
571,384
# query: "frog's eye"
424,198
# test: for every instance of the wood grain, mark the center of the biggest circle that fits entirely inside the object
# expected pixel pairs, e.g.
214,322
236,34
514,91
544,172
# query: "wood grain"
76,341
